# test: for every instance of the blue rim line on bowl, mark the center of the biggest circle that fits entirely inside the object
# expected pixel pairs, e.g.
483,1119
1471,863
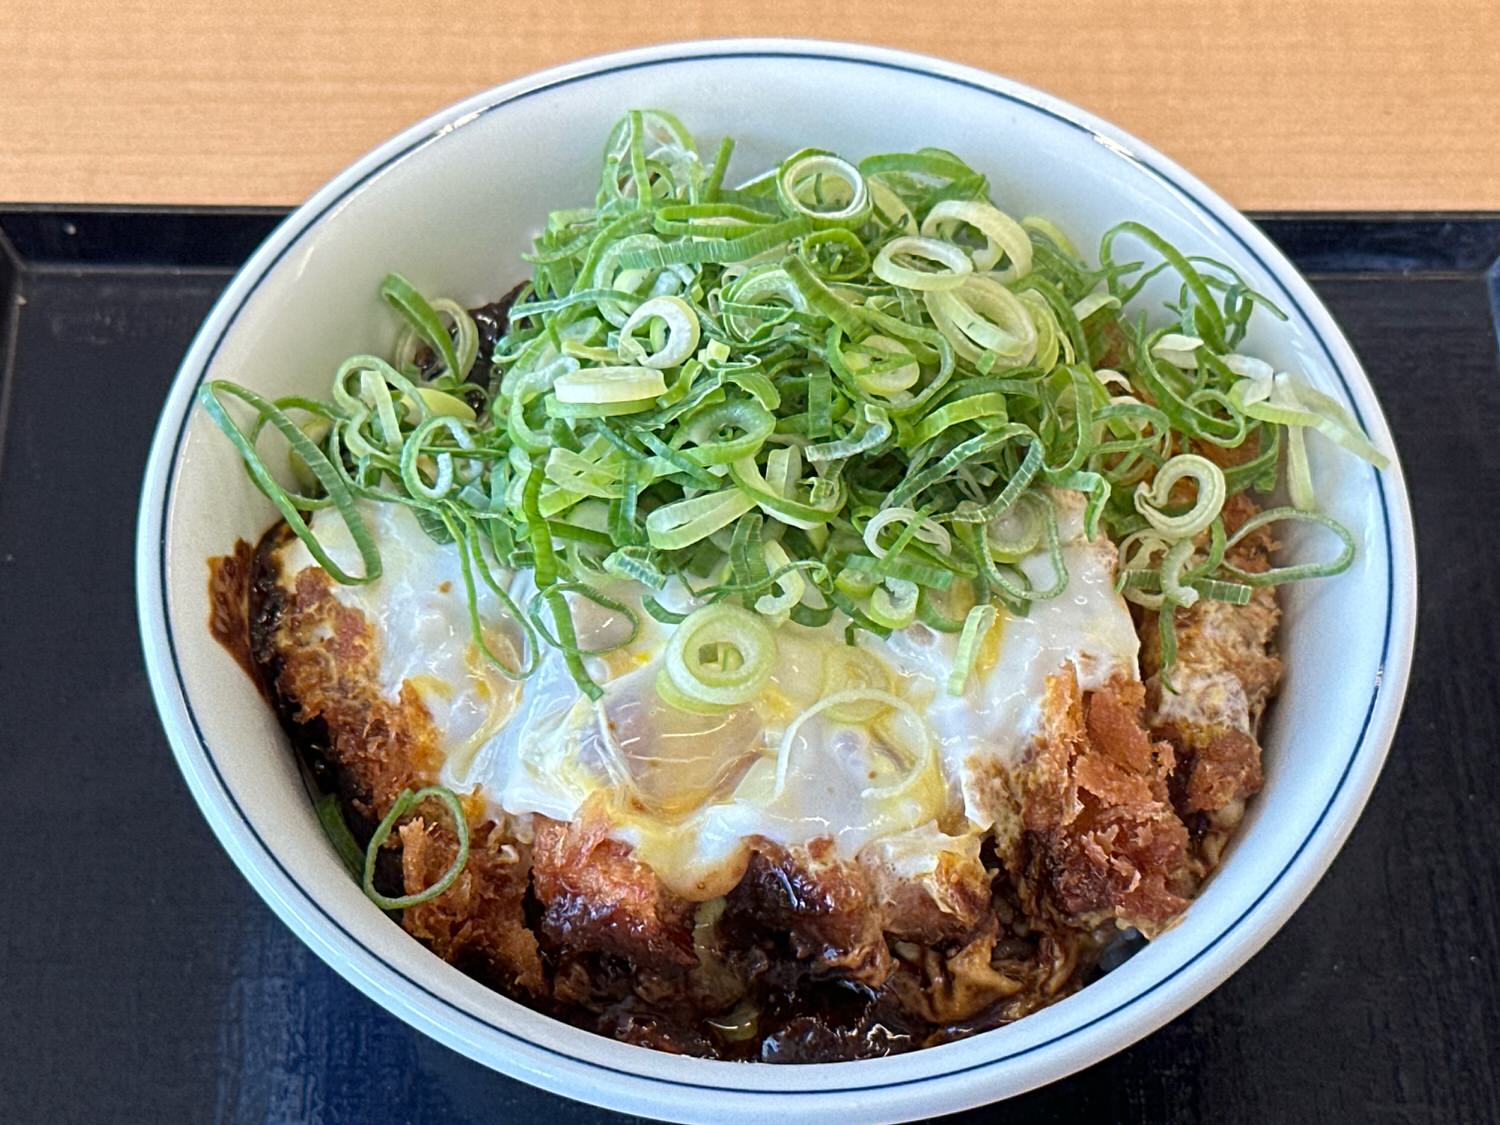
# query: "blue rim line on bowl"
310,221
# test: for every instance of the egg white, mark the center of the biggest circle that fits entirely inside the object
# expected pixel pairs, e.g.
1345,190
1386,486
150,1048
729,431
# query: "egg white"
688,791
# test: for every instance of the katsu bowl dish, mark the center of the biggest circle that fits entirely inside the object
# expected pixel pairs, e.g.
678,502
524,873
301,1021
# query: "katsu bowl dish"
798,594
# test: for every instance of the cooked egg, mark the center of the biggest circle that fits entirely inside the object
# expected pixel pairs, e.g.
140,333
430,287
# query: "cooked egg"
689,791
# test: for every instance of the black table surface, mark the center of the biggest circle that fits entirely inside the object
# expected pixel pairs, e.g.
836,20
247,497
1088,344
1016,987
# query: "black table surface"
142,980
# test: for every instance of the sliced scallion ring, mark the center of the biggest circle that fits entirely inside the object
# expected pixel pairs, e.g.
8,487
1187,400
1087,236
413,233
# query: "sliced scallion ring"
438,402
882,366
794,397
404,803
894,603
1003,236
926,530
956,264
981,315
682,333
600,385
1015,533
1138,576
846,203
1152,499
720,656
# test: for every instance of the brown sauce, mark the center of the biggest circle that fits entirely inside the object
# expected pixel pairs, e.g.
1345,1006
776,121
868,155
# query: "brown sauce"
229,604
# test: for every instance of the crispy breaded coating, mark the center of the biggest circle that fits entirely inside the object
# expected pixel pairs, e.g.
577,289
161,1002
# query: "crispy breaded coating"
322,656
1226,673
329,673
479,921
942,896
1120,807
597,897
229,578
1101,840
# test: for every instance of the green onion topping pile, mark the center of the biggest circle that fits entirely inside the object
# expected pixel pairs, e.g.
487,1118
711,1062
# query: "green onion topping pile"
838,391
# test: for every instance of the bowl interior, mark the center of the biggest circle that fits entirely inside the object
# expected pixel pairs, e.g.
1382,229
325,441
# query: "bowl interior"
453,209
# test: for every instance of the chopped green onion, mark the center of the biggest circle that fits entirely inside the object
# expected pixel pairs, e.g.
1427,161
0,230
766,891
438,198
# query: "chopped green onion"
927,530
1003,236
336,828
404,803
1015,533
838,391
316,461
682,328
981,316
685,522
1299,571
1287,403
424,320
1151,500
609,385
955,262
894,603
720,656
804,177
978,623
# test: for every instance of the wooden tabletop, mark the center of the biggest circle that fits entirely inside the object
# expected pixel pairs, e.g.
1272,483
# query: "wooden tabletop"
1280,104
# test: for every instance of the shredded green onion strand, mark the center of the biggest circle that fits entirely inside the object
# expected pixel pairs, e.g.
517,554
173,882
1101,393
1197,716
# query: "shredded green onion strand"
404,803
839,388
424,321
719,656
978,623
1296,572
336,828
1151,500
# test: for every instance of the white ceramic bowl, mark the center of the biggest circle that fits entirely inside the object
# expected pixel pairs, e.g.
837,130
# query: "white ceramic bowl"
451,203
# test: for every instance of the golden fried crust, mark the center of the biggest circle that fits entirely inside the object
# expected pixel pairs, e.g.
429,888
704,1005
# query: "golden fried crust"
1224,772
1101,839
944,905
481,917
329,671
1226,673
597,897
1086,829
